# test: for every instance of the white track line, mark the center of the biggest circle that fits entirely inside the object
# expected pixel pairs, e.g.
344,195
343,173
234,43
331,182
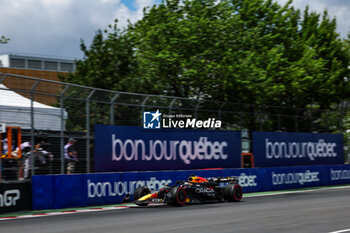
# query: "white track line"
65,212
298,191
341,231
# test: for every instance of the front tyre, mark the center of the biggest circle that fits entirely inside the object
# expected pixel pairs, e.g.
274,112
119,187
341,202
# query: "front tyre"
140,192
178,196
233,192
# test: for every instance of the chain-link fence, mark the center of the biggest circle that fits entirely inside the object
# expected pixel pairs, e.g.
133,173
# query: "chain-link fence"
51,112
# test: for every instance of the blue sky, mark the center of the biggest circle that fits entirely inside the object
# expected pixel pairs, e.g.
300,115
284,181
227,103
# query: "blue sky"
55,27
130,4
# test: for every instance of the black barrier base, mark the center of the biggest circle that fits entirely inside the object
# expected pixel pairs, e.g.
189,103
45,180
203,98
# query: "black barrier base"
15,196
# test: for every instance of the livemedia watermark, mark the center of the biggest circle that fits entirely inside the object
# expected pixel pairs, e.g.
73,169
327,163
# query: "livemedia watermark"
157,120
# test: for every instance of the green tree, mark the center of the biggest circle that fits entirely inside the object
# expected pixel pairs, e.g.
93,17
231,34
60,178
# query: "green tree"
255,52
108,62
4,40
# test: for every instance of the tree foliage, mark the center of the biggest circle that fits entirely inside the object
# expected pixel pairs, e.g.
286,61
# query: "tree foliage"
249,51
4,40
108,62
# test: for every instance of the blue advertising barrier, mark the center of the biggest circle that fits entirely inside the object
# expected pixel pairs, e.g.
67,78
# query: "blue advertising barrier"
63,191
131,148
273,149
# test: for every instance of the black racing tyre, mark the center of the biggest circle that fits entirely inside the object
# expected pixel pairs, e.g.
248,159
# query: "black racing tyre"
178,196
140,192
233,192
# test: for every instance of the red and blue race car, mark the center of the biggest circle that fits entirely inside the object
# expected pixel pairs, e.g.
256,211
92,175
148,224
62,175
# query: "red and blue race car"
195,190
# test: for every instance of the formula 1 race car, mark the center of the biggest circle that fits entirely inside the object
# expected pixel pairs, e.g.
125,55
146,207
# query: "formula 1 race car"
195,190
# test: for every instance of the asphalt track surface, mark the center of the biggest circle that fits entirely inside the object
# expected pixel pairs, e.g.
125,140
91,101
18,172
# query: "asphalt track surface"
318,211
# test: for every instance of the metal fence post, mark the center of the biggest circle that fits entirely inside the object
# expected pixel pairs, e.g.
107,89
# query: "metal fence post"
111,117
220,110
62,128
32,141
196,109
279,122
143,107
171,106
260,123
88,131
2,78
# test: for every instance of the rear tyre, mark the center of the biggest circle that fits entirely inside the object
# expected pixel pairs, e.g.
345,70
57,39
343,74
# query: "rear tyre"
178,196
233,192
140,192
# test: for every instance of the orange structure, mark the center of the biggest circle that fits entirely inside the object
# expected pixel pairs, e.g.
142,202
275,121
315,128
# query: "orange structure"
13,135
247,160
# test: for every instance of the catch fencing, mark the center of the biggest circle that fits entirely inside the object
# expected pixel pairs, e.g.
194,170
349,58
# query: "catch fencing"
52,112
